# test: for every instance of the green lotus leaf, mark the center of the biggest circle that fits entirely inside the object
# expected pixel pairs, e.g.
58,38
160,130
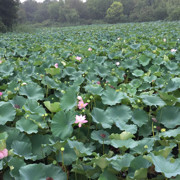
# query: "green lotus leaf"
139,117
94,89
33,107
69,100
69,155
126,127
102,71
7,112
129,143
6,69
176,178
165,150
169,116
152,100
52,107
100,59
78,81
69,71
138,73
122,162
50,82
61,124
135,46
16,163
38,120
41,172
144,60
18,101
123,136
119,113
170,133
144,86
39,145
76,75
171,86
165,166
1,165
32,91
144,145
22,52
53,71
100,116
80,149
150,79
130,64
136,83
171,65
102,162
27,125
3,137
136,164
111,97
7,176
101,136
169,99
106,175
146,129
141,173
22,149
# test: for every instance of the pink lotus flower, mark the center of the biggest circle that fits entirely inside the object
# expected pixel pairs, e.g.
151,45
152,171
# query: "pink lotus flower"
56,65
3,153
98,82
1,93
89,49
164,40
0,62
79,98
117,63
78,58
81,104
173,50
80,120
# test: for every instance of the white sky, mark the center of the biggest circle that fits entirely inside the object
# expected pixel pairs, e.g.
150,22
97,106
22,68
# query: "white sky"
43,0
36,0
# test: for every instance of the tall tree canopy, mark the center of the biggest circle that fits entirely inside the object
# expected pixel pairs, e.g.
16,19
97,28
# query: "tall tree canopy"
51,12
8,12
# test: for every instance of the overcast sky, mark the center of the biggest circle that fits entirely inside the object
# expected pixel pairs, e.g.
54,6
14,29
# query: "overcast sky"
42,0
36,0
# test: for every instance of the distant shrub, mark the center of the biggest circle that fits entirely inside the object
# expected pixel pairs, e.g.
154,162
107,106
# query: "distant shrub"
3,28
160,14
26,28
174,15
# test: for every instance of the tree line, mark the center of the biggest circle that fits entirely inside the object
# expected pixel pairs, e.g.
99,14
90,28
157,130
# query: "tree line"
91,11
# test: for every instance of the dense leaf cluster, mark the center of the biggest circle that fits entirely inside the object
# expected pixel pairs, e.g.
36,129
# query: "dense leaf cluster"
89,11
130,76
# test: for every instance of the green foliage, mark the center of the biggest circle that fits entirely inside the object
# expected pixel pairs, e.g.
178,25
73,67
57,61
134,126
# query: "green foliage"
8,13
129,76
75,12
115,12
3,28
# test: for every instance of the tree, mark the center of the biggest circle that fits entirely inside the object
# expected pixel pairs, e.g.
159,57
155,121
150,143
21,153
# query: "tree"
8,12
97,8
30,7
115,12
53,9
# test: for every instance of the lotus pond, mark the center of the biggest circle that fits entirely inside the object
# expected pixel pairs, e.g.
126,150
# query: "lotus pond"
91,102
